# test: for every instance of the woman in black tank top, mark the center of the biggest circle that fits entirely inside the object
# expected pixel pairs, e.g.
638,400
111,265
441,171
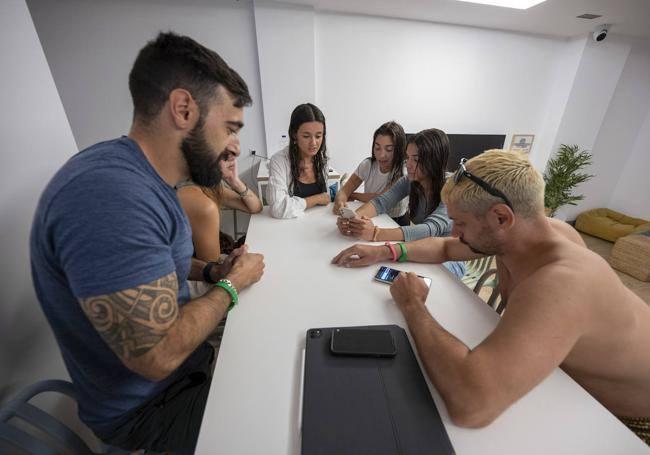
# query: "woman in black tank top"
305,190
307,154
298,172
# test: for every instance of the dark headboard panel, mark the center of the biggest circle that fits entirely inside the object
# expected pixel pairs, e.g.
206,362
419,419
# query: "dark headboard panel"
470,145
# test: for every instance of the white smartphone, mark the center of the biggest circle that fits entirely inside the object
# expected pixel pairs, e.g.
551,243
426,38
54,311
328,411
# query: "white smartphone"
347,213
388,275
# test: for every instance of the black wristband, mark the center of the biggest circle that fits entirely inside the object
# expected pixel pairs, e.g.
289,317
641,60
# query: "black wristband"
206,272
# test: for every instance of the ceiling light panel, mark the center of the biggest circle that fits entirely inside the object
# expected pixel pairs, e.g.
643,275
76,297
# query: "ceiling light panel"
518,4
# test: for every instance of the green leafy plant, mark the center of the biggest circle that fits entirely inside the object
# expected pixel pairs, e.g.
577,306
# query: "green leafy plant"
563,174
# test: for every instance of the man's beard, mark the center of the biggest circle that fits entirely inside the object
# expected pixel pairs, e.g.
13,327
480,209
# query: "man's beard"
474,250
201,158
488,249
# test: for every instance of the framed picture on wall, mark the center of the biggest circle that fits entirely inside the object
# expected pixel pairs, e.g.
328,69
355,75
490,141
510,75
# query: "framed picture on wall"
522,143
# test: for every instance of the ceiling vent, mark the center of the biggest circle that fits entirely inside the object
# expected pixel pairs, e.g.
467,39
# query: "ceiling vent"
588,16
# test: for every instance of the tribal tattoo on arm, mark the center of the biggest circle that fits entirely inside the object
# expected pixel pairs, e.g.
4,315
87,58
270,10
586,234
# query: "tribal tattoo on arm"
134,321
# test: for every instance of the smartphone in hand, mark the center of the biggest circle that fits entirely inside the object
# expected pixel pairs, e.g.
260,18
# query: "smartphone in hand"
348,213
388,275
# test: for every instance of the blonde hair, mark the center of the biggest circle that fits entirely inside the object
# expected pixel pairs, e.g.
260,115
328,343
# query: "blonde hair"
509,172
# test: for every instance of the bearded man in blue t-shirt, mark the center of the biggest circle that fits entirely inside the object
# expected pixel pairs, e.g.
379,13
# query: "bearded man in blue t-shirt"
111,250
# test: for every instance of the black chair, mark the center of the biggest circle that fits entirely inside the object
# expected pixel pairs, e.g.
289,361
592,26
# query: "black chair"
55,435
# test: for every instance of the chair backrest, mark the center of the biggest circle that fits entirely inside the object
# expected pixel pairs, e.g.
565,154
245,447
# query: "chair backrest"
490,279
57,434
478,274
474,269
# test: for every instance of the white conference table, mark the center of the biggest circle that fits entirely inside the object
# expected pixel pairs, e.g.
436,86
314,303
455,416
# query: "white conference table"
255,397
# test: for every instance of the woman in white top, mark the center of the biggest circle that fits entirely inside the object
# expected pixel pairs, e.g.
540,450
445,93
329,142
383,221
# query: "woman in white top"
298,173
379,172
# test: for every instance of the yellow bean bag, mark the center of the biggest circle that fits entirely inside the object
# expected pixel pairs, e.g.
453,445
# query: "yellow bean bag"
609,225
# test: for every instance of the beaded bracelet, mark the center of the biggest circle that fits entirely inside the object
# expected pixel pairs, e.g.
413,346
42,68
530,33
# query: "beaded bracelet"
227,286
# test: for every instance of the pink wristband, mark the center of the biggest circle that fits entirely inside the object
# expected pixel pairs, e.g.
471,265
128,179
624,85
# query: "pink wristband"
392,250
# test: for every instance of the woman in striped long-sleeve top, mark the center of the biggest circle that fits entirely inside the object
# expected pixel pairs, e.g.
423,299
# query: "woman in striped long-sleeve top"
426,160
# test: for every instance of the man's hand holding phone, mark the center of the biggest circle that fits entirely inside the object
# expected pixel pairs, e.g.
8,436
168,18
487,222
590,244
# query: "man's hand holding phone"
409,291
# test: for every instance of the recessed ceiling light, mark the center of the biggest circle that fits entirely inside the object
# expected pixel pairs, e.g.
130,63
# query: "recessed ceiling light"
519,4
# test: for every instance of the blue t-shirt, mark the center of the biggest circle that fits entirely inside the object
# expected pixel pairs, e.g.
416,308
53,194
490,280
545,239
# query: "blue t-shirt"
106,222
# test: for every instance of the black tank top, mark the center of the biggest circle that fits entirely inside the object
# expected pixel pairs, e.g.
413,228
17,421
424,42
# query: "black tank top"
307,189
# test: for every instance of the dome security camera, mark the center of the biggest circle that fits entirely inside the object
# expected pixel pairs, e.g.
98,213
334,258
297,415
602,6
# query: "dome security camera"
601,33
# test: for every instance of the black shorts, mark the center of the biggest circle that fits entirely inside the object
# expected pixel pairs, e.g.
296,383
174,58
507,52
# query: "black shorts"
169,422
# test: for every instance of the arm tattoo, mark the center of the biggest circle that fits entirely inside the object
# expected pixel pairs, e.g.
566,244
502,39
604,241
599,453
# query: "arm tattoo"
134,321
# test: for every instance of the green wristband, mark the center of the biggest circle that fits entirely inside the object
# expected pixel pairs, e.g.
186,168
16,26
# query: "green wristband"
226,285
402,257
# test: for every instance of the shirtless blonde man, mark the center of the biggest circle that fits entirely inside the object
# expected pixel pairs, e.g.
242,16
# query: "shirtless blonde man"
565,306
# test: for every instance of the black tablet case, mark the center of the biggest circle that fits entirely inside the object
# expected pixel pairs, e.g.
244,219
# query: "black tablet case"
368,405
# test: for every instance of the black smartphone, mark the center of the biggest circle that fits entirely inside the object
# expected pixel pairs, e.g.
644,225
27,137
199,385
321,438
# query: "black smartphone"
363,342
388,275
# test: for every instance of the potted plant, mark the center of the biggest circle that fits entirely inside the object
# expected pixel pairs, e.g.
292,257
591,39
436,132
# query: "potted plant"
562,175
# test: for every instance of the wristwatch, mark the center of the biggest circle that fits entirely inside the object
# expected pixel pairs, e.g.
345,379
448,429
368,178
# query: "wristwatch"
207,276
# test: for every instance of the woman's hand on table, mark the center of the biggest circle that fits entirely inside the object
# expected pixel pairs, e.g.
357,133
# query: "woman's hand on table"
323,199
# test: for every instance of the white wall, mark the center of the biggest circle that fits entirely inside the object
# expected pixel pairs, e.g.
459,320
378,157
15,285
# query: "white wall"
622,149
36,141
565,70
586,114
285,45
469,80
463,80
599,70
91,46
632,193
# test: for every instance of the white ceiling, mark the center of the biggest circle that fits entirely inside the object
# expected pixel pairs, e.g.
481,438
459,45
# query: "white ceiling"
553,17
